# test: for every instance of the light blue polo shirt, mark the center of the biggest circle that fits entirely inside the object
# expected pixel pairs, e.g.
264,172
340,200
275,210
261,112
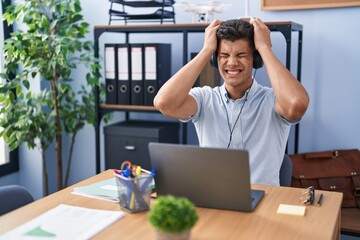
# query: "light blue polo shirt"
258,128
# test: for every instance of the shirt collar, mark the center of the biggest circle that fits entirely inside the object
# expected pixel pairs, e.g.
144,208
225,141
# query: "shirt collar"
251,92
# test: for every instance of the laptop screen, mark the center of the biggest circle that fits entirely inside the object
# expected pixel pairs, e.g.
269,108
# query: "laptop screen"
209,177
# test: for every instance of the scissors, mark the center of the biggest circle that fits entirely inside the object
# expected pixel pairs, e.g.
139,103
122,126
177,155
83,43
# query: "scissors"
127,168
125,164
130,169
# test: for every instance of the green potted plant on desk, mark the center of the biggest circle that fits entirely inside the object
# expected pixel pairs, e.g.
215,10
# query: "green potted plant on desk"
172,217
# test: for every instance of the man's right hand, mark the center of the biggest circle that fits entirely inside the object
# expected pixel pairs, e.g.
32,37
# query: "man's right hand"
210,39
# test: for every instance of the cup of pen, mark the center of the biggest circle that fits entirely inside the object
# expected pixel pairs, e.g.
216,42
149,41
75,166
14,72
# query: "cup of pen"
134,192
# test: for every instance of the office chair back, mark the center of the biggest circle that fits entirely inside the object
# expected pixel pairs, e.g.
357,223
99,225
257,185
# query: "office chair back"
13,197
286,172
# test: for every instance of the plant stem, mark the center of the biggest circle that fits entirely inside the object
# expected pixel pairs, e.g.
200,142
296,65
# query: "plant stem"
58,136
45,176
69,159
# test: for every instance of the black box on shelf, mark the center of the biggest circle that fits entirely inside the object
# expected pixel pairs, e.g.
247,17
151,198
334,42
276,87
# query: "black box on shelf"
128,141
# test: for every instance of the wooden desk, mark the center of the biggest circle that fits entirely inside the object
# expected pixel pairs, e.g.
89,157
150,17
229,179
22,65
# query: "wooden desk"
264,223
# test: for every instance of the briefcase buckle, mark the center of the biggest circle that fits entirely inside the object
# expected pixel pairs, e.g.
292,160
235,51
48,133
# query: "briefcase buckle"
357,192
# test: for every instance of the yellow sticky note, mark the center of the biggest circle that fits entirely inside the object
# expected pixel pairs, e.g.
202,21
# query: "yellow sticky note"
291,209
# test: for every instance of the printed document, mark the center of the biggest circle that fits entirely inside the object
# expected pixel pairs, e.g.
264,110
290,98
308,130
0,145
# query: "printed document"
65,222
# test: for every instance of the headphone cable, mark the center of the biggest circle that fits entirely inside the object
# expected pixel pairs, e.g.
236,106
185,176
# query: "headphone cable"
237,118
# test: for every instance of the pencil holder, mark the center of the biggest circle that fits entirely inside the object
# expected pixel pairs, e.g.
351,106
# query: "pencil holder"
135,193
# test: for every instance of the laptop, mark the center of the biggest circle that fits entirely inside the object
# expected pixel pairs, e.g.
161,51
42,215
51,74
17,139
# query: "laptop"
209,177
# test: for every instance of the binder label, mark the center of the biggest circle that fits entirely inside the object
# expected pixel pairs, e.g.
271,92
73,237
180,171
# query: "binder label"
123,64
150,63
110,62
136,63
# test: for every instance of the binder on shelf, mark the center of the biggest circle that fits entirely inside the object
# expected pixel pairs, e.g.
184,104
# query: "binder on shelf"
110,76
123,74
137,83
157,69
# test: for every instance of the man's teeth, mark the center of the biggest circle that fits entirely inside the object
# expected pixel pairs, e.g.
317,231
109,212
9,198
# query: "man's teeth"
233,71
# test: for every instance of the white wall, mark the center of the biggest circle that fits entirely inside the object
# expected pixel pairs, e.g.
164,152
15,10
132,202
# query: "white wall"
331,56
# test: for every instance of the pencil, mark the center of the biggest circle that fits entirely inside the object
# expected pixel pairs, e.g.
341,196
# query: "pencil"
320,200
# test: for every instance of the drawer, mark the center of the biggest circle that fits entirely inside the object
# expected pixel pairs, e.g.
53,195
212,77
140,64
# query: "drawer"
119,149
128,141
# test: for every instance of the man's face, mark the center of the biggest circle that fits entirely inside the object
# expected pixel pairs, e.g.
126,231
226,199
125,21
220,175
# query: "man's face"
235,61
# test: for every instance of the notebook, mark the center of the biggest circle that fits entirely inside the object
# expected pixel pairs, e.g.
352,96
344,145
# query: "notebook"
209,177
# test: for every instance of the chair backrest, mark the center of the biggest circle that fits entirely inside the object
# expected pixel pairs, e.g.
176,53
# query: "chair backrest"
286,172
13,197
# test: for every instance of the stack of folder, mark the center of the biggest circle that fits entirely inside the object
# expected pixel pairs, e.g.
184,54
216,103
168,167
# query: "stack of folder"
135,72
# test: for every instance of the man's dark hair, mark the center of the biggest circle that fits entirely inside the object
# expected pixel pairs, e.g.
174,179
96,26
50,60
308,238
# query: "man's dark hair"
235,29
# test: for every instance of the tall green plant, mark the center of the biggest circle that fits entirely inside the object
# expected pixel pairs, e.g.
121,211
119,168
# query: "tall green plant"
50,48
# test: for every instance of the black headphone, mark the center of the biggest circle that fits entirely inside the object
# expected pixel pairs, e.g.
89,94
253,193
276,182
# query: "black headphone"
257,62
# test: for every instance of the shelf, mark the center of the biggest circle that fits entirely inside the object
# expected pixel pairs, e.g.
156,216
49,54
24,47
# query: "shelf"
149,28
284,27
158,14
189,27
142,4
128,107
165,11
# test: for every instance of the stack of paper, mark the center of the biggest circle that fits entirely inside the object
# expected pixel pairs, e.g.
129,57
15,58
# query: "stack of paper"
105,190
291,209
65,222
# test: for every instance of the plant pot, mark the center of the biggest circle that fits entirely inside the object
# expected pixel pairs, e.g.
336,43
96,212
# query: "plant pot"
173,236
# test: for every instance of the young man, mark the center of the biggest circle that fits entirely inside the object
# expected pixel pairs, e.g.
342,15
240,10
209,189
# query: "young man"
240,113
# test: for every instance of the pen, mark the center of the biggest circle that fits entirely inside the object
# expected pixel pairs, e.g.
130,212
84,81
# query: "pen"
147,181
320,200
132,199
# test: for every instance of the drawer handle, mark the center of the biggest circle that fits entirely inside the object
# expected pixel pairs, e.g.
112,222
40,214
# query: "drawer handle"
130,148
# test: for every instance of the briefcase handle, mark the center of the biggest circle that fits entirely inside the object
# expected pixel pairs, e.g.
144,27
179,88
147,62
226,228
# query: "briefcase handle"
325,154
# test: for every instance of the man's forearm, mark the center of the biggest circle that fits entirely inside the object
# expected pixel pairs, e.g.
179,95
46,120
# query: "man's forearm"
291,97
173,95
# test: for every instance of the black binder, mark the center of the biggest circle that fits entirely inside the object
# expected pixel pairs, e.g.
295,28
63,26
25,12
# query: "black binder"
137,74
157,69
110,73
123,74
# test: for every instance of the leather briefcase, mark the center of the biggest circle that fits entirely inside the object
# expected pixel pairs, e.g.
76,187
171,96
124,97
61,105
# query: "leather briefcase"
336,170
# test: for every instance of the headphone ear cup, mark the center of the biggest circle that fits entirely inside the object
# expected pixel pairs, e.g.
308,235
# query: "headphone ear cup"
213,60
257,62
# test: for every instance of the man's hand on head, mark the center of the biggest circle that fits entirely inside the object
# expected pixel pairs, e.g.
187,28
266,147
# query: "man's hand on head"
261,34
210,39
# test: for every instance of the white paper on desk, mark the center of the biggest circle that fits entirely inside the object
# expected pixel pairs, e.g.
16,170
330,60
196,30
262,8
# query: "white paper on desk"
65,222
105,190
